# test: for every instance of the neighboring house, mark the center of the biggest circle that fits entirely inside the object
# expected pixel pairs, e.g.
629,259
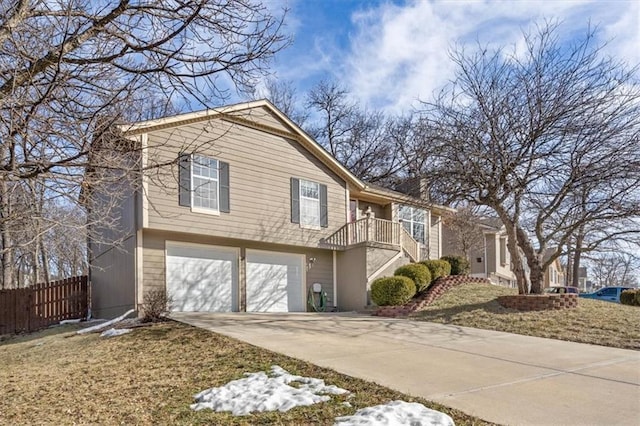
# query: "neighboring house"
582,279
491,258
249,213
554,275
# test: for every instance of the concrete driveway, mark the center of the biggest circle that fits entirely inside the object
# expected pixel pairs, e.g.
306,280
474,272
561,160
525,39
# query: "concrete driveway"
500,377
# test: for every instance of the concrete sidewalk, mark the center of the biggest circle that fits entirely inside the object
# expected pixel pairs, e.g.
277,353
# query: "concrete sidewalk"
500,377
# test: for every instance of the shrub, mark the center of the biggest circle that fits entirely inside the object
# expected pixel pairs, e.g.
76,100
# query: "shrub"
392,290
438,268
630,297
418,273
156,303
459,264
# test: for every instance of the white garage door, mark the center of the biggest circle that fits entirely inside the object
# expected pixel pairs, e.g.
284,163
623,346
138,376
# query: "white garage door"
274,282
202,278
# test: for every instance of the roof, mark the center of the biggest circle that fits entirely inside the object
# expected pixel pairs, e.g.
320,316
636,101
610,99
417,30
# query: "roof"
357,186
491,222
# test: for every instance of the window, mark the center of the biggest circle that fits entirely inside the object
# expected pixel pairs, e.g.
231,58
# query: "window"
608,292
309,203
503,251
413,221
204,183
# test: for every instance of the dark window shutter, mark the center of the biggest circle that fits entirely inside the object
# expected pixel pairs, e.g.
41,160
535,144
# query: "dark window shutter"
324,214
223,175
184,179
295,200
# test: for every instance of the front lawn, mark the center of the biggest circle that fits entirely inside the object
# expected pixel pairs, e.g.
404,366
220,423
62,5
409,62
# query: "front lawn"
150,375
593,321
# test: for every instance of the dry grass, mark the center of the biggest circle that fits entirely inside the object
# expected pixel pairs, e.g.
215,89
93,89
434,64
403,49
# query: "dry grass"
150,375
593,321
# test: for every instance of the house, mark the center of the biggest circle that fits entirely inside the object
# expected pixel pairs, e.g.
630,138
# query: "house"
240,210
582,279
488,257
554,275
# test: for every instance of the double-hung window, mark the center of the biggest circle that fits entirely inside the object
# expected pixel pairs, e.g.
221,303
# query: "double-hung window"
204,184
413,220
204,181
309,203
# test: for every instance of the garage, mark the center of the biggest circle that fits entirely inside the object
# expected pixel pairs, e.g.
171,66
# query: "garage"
202,278
275,281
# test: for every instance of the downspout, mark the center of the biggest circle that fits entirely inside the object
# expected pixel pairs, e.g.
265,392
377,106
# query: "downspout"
141,220
484,259
439,237
335,279
428,239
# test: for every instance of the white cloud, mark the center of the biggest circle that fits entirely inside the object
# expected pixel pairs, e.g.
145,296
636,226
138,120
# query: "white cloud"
399,54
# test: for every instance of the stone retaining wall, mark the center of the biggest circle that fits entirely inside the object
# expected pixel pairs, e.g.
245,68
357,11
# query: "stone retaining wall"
441,286
539,302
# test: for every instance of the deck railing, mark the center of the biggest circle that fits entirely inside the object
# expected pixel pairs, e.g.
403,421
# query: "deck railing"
375,230
409,245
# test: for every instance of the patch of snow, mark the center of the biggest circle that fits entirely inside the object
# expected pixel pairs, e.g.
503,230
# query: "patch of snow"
71,321
396,413
112,332
347,404
261,392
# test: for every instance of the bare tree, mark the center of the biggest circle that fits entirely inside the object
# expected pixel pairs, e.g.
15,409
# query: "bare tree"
464,229
358,138
69,69
617,268
546,136
284,96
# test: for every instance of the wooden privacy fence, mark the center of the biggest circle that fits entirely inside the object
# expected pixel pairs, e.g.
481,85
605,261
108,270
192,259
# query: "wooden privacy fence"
32,308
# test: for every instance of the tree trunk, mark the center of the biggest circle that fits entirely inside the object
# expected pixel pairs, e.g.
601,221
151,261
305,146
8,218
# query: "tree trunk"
577,256
7,249
45,262
516,255
568,278
536,273
517,266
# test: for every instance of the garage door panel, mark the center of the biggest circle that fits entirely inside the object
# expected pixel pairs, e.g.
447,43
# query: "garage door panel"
202,278
274,282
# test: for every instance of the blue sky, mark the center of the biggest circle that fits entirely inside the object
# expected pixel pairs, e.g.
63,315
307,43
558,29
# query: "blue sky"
390,54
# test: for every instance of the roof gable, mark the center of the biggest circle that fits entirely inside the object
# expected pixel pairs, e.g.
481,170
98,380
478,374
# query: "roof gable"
264,116
261,115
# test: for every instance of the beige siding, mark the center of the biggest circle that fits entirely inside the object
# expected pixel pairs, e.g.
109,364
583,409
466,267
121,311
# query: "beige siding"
261,166
492,244
377,210
377,257
321,272
478,267
113,281
264,117
434,237
154,258
355,267
501,258
352,279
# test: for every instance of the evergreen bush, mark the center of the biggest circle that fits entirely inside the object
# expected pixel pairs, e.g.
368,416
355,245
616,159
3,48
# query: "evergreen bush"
389,291
419,273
